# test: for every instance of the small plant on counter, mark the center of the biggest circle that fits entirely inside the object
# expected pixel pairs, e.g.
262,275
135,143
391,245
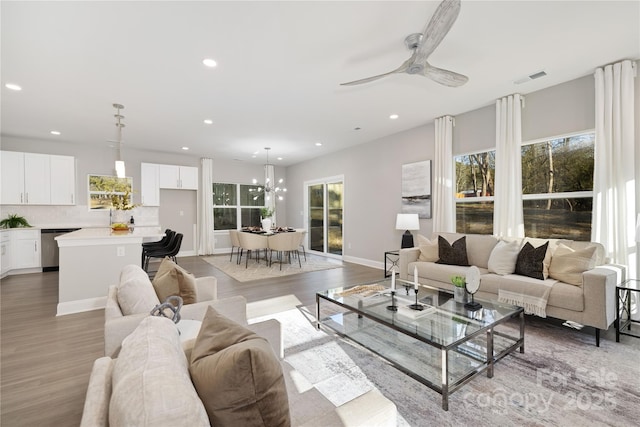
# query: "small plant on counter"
458,281
14,221
122,201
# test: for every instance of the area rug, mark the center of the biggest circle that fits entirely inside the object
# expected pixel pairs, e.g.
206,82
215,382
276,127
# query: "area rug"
562,379
258,271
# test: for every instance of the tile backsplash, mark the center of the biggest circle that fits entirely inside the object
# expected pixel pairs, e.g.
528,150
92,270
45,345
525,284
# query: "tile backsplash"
75,216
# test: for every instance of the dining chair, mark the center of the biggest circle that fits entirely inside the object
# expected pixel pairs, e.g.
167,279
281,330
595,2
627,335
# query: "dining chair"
235,245
252,242
284,244
303,235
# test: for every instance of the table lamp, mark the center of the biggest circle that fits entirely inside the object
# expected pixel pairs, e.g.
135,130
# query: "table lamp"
407,222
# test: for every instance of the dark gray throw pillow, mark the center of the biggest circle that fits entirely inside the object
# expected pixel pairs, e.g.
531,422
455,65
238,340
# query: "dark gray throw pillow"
455,254
530,261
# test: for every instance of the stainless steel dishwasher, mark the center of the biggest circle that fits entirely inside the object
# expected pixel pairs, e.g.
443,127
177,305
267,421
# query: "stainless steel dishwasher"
49,247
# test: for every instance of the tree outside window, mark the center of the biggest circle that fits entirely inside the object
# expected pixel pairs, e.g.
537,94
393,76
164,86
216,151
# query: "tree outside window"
236,205
474,192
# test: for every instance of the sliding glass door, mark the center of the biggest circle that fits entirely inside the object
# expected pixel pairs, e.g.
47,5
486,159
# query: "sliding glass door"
324,215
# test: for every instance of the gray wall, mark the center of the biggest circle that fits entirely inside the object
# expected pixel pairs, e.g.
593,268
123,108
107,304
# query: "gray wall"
373,171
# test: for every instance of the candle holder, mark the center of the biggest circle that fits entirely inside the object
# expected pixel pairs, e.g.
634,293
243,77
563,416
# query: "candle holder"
416,306
393,306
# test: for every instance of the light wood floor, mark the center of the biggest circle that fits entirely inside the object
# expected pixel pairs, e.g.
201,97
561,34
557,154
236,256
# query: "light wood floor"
45,361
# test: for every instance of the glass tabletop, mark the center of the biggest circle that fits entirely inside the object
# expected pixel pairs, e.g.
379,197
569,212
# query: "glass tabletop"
633,284
443,322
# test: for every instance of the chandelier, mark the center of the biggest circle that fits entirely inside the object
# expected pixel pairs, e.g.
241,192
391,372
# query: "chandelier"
270,187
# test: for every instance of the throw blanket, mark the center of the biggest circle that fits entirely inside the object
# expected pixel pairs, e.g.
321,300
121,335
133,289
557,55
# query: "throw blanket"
526,292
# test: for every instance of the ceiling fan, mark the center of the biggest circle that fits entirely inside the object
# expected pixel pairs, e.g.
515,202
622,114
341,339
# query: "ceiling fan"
423,45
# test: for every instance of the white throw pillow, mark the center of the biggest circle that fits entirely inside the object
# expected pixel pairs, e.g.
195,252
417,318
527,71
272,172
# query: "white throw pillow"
428,249
151,382
135,292
567,265
503,258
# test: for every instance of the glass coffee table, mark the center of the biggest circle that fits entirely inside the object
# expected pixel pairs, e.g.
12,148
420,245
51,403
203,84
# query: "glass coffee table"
443,346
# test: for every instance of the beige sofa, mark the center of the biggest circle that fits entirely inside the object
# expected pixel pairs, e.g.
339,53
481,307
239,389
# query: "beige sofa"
117,325
591,303
150,384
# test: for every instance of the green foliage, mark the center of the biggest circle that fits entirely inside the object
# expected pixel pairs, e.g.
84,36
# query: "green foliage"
266,212
122,202
458,281
14,221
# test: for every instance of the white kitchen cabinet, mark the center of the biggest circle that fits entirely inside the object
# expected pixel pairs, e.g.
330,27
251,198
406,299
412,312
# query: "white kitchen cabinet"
5,252
37,179
12,175
25,249
63,180
178,177
150,184
37,176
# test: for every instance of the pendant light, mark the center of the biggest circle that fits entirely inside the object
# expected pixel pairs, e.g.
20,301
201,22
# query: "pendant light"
120,171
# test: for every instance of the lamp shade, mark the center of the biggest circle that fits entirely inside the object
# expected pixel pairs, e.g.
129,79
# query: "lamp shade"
407,222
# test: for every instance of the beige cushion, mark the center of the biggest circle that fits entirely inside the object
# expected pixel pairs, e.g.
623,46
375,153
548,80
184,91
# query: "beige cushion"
503,258
428,249
171,279
567,265
237,375
135,292
151,384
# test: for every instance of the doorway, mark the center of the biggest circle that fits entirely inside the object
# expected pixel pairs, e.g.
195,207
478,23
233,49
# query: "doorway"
324,206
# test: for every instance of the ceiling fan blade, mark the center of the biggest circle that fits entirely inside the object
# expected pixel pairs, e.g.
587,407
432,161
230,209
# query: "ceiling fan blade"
400,69
438,27
444,77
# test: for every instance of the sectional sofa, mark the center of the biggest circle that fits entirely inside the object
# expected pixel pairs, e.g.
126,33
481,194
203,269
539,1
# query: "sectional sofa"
589,300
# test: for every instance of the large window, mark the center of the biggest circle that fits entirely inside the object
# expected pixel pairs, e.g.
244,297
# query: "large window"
474,192
236,205
557,188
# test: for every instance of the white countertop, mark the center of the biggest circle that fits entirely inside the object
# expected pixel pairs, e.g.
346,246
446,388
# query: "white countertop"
107,233
104,235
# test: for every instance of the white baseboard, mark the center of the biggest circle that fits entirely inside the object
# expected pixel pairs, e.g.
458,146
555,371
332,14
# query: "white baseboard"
363,261
82,305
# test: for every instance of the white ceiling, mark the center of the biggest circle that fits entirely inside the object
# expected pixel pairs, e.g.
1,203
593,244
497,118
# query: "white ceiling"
279,68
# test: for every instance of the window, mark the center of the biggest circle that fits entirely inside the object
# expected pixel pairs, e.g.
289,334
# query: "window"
474,192
557,186
102,188
236,205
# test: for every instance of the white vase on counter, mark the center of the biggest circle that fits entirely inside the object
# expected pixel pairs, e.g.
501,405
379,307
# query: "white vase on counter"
266,224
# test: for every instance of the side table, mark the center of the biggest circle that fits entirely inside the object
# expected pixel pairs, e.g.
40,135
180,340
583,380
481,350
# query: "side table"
623,307
391,257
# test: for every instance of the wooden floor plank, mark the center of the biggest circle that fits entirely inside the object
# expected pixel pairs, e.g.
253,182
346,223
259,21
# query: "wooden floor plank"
45,361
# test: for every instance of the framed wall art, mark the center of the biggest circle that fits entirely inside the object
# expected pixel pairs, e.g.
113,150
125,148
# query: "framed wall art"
416,188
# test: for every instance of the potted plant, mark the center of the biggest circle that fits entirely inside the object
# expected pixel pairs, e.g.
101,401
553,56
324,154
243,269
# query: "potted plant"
121,202
14,221
459,290
265,214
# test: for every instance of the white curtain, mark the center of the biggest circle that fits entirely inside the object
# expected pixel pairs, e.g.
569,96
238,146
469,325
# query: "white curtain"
614,186
206,238
443,205
507,212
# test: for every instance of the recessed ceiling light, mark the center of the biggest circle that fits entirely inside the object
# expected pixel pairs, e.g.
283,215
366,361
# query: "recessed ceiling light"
55,132
185,148
12,86
208,122
318,144
393,116
209,62
279,158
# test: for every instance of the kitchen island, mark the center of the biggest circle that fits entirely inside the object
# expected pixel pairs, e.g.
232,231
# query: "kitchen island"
91,259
